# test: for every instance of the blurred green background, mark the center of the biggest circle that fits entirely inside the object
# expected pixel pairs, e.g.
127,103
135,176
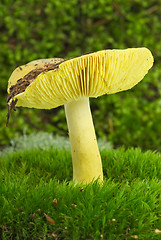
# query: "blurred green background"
42,29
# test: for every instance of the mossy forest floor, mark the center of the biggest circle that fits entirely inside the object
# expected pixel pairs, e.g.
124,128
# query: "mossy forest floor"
39,201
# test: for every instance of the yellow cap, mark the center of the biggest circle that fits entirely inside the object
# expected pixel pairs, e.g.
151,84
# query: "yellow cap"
90,75
21,71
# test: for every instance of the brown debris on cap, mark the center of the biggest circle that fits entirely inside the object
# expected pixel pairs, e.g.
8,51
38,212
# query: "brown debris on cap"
25,81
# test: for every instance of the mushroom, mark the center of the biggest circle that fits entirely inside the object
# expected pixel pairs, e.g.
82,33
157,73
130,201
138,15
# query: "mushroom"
49,83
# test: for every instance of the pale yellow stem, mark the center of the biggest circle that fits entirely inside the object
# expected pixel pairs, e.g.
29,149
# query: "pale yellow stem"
87,164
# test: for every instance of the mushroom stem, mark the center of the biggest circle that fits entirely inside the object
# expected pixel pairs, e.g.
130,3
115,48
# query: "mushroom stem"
87,164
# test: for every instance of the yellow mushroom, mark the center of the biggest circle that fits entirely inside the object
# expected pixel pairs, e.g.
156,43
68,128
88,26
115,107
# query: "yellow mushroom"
49,83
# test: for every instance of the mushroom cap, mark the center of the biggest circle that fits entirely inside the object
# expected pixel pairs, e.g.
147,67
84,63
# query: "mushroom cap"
90,75
23,70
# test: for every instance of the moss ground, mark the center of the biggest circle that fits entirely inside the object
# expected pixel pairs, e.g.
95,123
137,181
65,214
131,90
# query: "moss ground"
35,183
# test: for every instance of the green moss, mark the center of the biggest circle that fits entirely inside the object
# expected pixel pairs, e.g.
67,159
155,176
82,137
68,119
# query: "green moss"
127,204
